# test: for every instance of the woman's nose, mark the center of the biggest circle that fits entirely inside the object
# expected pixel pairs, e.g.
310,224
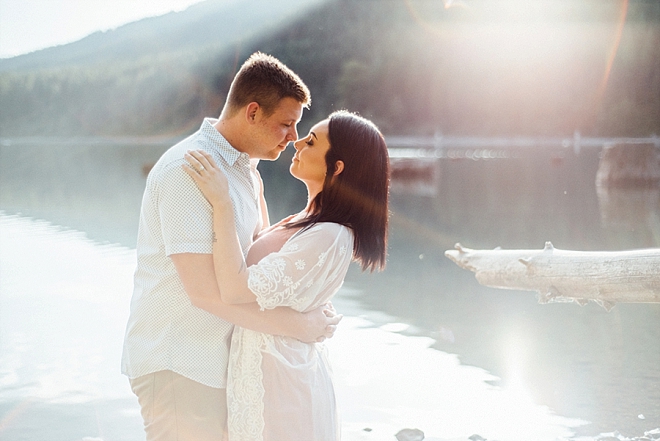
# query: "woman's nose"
297,144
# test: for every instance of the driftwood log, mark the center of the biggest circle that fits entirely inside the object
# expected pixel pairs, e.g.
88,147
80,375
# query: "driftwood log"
568,276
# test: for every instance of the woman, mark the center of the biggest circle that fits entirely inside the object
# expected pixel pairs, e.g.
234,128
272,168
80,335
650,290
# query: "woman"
280,388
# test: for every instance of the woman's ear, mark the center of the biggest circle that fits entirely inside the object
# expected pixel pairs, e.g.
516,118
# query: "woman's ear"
251,111
339,167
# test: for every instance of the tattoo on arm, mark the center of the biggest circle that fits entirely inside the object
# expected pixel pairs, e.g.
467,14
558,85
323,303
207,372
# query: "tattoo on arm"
213,238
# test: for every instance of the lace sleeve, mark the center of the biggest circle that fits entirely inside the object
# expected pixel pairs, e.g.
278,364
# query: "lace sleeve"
307,264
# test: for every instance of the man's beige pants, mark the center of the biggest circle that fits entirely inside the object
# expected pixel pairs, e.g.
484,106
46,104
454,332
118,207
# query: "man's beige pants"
176,408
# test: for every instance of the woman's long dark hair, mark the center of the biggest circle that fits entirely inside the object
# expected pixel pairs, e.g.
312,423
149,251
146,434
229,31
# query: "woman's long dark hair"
358,196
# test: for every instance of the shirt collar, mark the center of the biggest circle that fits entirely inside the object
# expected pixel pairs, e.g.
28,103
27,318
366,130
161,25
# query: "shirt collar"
220,144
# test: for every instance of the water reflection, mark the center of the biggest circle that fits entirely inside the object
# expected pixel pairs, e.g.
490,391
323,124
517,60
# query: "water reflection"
63,307
96,189
632,215
581,362
552,360
418,176
409,386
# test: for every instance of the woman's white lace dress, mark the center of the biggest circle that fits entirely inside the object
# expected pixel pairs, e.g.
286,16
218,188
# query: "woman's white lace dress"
280,389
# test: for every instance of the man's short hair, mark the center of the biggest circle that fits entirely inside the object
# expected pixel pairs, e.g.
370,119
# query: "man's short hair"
266,80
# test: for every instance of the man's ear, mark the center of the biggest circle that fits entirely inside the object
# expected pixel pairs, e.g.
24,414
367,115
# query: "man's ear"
252,111
339,167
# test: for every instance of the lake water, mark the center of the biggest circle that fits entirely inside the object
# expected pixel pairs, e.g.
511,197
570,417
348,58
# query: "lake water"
422,344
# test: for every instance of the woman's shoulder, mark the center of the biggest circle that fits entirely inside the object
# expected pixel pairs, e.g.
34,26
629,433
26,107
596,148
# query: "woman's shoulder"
328,231
330,227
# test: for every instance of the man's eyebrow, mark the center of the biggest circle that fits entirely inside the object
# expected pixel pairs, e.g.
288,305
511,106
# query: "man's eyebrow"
312,133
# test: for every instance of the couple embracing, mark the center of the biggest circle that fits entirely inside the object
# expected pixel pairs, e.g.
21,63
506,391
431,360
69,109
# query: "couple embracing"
229,312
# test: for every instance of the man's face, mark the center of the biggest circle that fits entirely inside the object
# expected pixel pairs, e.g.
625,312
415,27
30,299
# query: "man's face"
271,134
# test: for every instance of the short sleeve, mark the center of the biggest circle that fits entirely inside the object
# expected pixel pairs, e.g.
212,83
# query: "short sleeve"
311,265
186,217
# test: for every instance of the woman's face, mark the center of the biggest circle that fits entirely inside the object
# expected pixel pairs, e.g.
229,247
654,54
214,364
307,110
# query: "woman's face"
308,163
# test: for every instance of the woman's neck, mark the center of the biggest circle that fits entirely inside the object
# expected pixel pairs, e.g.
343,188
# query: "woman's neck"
311,195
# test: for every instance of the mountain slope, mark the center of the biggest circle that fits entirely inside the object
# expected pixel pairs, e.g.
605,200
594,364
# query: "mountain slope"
209,24
142,78
413,66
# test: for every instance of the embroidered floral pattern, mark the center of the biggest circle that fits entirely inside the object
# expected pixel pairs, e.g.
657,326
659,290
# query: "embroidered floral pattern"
288,247
245,391
322,258
300,264
273,287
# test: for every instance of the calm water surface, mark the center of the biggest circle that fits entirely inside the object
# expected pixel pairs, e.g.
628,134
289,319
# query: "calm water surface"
500,364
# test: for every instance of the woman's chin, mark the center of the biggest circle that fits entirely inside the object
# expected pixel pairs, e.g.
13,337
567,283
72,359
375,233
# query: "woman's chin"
292,171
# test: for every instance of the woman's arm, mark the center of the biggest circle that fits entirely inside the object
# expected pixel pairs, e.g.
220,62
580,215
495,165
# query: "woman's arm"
265,219
197,275
230,268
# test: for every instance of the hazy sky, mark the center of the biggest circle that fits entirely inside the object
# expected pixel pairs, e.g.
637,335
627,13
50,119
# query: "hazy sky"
28,25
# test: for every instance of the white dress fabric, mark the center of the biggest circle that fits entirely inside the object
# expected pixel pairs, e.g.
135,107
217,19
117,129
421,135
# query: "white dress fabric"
278,387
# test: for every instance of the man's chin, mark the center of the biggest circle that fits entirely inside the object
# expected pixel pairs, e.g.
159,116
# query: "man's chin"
274,155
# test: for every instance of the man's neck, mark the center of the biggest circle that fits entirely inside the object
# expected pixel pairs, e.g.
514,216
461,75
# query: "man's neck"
227,128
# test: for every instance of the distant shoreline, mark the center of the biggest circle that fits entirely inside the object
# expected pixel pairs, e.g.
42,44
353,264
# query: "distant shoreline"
397,142
87,140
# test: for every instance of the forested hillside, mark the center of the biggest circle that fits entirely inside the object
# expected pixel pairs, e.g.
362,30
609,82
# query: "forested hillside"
414,66
144,78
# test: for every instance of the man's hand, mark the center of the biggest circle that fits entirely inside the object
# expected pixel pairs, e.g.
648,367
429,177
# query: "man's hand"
319,324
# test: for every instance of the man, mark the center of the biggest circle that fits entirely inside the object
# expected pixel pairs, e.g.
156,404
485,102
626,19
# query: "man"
176,354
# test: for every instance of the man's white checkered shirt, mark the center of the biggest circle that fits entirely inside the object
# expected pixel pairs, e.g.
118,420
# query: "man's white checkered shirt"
165,331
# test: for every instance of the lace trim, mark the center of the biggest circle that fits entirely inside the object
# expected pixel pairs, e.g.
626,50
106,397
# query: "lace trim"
272,287
245,390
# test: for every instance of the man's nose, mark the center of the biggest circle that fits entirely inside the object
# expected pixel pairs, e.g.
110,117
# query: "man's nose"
293,134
